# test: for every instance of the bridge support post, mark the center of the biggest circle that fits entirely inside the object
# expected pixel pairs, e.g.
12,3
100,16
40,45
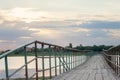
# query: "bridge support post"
60,61
50,72
26,67
43,67
6,68
119,65
71,60
63,61
36,60
66,57
55,52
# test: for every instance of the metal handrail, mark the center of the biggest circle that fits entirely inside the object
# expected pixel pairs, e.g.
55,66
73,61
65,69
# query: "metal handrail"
113,63
7,53
65,56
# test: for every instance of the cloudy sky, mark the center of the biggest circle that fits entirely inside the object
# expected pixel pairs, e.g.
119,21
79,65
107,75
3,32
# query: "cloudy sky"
61,22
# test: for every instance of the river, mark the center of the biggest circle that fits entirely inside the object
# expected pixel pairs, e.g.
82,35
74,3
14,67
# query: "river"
16,62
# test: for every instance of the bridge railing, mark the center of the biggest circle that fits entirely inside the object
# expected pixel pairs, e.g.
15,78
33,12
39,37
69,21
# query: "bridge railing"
49,60
112,57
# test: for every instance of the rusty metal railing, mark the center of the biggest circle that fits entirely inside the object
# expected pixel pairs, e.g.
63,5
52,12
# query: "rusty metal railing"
58,59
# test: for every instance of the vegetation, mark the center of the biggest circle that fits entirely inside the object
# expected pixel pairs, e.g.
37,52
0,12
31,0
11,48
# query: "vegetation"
93,48
70,45
47,51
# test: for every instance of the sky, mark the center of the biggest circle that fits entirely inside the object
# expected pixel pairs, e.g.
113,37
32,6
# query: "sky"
87,22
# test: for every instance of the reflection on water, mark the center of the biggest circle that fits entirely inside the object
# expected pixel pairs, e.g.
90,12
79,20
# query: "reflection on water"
16,62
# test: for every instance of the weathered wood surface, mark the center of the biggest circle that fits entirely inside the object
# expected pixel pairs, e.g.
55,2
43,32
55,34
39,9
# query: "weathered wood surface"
95,68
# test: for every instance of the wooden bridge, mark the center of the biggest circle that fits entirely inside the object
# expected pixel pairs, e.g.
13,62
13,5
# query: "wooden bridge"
95,68
53,62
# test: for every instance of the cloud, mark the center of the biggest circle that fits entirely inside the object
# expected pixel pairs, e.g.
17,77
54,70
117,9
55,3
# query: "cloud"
7,41
113,33
46,33
7,44
97,33
101,25
12,30
102,28
25,37
29,15
24,14
86,30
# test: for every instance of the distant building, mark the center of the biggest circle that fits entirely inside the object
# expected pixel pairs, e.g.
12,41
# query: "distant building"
1,52
4,51
28,49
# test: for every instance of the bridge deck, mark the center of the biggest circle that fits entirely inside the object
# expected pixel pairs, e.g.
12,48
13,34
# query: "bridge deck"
94,69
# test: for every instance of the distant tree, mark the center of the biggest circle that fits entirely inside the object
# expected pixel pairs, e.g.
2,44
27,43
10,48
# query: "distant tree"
88,47
81,47
93,48
70,45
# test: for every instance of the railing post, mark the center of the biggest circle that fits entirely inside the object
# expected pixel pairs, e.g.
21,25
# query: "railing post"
116,63
82,59
66,58
6,68
36,60
59,61
55,51
73,60
50,72
26,67
62,58
79,58
69,60
43,71
119,64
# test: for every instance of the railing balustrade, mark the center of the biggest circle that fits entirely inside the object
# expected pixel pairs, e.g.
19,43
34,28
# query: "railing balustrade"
112,56
57,59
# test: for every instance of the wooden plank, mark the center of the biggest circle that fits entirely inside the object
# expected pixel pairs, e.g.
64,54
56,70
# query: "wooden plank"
98,77
78,77
85,76
92,75
94,69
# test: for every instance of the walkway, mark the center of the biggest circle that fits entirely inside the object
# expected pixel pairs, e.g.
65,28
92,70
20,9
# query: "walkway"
94,69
